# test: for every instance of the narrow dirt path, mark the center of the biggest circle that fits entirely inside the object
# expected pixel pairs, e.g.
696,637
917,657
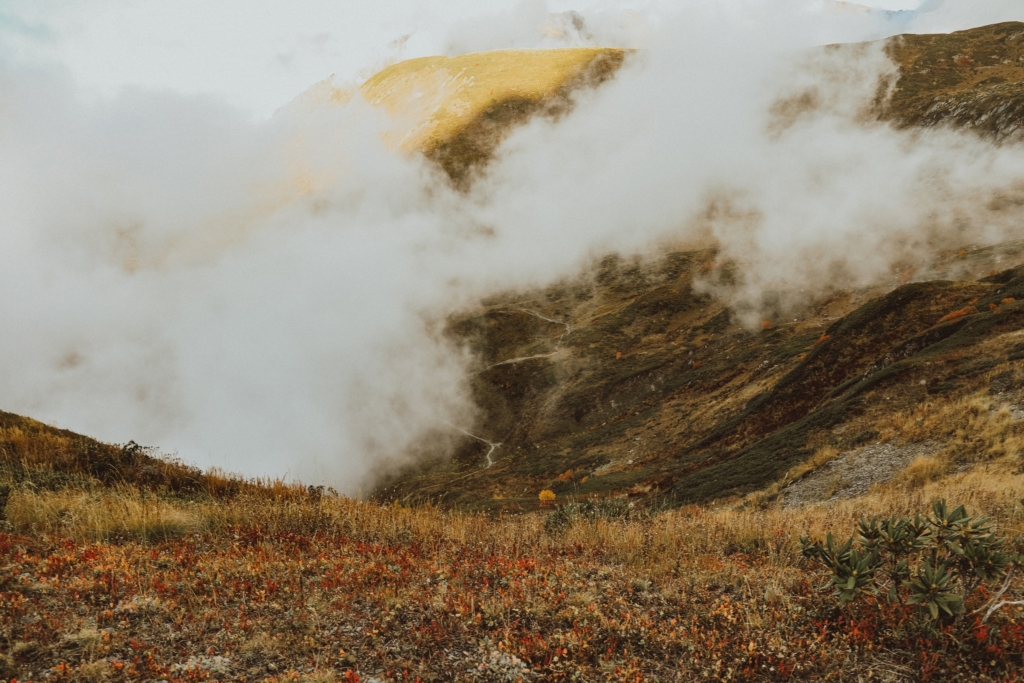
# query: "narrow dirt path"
494,445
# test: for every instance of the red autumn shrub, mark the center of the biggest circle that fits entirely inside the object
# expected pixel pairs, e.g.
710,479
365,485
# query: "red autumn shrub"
967,310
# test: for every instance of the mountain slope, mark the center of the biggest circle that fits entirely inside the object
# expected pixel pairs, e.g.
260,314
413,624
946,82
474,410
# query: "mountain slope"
968,79
39,457
628,382
457,110
636,385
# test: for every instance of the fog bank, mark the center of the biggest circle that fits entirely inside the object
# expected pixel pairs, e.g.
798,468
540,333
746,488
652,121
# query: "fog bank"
267,294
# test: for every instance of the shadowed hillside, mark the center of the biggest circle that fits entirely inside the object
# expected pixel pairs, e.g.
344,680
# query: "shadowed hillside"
968,79
634,384
629,382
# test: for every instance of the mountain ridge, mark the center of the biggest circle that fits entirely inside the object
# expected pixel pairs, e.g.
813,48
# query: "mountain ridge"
628,381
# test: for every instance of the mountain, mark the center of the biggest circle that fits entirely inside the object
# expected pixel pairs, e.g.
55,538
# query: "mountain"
968,79
637,385
628,382
456,110
624,383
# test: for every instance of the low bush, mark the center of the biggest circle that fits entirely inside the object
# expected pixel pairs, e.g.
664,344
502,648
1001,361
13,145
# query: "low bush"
589,511
969,310
935,562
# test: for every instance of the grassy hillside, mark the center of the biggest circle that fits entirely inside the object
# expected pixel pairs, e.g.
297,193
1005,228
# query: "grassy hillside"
41,458
683,458
320,588
627,382
968,79
456,110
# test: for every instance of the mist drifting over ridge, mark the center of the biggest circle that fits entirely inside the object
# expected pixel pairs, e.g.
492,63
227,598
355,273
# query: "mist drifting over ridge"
268,296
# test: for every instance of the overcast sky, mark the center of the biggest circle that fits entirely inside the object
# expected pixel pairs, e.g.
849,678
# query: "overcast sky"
256,55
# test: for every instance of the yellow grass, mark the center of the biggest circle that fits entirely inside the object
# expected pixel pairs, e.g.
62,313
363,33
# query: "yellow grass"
692,562
438,97
433,100
922,471
109,513
652,547
975,427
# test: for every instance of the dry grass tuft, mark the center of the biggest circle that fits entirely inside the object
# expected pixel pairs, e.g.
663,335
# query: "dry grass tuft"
104,515
921,471
93,672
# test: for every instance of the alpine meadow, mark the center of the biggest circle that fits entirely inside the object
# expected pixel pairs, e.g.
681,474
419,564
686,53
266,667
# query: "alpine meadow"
542,340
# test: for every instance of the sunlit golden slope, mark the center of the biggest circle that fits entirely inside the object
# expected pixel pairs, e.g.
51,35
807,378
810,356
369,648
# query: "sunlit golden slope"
457,109
440,97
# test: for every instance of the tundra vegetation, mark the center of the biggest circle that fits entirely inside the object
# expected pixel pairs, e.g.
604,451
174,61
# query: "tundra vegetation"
655,492
183,578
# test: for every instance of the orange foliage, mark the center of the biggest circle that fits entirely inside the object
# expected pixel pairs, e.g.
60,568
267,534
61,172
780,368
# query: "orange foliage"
618,355
766,325
1008,300
292,582
822,339
958,314
547,495
565,476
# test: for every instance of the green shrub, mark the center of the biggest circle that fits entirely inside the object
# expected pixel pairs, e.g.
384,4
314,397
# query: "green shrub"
588,511
934,562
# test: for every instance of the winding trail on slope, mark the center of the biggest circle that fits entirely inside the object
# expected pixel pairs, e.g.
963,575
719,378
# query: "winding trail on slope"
493,444
558,344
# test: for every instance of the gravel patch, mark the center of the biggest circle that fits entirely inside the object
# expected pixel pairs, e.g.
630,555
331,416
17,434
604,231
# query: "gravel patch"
854,472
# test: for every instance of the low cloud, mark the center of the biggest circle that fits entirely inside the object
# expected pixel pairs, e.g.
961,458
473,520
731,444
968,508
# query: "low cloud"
268,297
